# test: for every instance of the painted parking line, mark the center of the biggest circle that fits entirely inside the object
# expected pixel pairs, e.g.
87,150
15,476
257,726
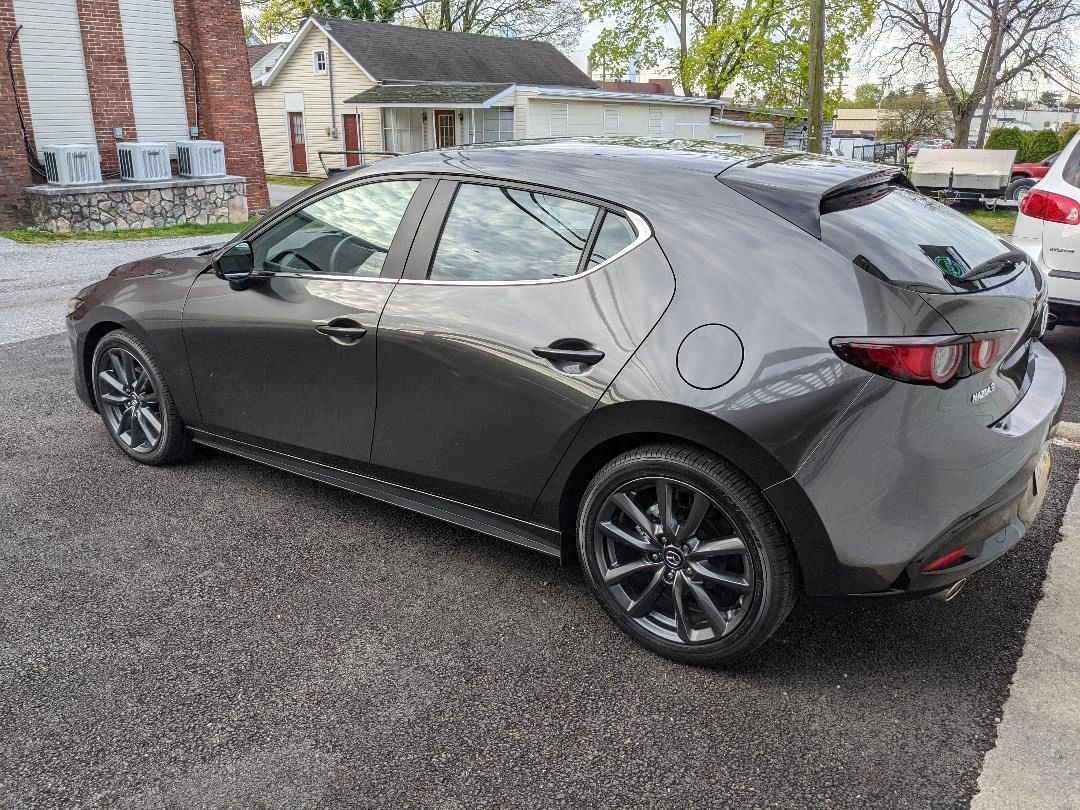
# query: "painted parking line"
1036,761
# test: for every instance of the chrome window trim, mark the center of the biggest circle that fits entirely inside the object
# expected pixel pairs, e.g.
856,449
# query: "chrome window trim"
641,226
644,233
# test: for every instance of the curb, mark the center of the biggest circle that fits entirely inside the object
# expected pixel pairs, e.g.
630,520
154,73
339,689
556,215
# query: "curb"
1036,761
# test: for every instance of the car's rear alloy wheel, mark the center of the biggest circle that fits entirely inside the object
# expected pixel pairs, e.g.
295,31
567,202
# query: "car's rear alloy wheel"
673,560
134,401
685,554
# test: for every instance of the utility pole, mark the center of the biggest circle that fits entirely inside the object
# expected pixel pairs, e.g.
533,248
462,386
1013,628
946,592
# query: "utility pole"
998,17
815,91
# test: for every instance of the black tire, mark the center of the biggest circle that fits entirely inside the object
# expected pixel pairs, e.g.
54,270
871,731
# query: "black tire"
1020,184
764,567
145,400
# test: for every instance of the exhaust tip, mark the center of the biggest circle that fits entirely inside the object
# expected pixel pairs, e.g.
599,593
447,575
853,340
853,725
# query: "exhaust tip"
952,591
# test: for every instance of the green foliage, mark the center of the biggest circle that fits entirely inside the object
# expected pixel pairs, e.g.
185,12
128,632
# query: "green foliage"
1031,147
1006,138
1067,135
283,17
1040,145
755,50
913,117
867,95
1049,98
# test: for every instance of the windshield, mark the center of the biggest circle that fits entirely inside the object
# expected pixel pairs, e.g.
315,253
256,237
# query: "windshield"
909,239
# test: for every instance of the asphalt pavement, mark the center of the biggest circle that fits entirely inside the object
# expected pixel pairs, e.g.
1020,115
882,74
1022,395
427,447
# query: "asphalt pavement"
223,634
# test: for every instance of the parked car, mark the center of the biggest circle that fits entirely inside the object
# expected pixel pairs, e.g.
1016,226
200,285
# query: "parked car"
1048,228
716,376
1025,175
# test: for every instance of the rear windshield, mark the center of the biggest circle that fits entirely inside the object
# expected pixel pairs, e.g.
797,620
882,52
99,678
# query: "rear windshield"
910,240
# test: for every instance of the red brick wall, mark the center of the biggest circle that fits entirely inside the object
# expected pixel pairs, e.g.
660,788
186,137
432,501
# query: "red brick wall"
214,31
15,173
106,75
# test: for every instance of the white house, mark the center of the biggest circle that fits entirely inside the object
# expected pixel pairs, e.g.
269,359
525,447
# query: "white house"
343,85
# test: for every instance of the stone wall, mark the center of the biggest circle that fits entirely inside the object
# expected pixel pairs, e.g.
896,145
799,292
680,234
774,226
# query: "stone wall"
128,206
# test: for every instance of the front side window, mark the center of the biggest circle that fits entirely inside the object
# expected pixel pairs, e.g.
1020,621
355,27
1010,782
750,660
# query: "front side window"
319,62
506,234
345,234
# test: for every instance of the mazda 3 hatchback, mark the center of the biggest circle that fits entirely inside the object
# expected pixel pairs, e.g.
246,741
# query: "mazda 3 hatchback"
717,376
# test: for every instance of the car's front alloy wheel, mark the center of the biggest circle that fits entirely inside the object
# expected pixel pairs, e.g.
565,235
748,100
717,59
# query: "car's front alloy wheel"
685,554
134,401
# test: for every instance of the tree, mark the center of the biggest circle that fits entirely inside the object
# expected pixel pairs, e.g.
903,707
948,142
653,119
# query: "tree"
759,47
1006,138
556,21
955,40
1067,135
914,117
1048,98
1040,145
277,18
868,95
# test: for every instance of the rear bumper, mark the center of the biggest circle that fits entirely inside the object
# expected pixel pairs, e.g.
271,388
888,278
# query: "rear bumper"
898,486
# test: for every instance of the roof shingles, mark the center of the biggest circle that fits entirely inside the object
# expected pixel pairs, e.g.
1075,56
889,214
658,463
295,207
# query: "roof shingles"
400,53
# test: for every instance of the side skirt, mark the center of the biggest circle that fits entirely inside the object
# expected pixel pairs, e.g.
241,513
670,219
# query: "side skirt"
520,532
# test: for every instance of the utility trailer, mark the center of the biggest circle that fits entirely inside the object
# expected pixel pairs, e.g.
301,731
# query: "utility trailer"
963,175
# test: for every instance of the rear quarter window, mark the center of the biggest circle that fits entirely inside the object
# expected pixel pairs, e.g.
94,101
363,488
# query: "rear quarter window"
1070,172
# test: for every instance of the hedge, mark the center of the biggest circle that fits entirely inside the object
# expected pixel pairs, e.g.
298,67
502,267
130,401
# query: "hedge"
1030,147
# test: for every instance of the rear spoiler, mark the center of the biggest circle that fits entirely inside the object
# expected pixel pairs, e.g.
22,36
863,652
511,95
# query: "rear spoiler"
796,185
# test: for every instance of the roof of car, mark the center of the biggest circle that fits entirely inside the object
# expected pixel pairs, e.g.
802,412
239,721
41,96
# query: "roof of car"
541,160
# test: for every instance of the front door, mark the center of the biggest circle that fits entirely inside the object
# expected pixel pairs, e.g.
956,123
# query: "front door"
350,128
289,361
494,350
297,142
445,129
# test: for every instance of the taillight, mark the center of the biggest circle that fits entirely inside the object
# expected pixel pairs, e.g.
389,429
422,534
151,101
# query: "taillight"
927,363
1047,205
985,351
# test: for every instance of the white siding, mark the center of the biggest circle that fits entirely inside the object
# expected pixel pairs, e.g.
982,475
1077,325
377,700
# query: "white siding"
52,58
153,61
656,121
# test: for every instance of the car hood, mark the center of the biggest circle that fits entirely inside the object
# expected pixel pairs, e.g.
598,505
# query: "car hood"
185,260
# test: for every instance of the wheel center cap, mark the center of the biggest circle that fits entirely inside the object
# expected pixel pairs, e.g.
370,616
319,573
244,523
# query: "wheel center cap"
673,558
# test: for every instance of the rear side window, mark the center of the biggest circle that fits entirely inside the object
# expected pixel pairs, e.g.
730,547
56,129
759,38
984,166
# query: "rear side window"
615,234
508,234
908,239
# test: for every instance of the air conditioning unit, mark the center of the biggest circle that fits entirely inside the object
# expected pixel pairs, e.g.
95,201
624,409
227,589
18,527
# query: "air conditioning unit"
144,162
72,164
201,158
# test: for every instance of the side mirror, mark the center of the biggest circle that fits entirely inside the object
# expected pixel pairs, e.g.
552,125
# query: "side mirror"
235,265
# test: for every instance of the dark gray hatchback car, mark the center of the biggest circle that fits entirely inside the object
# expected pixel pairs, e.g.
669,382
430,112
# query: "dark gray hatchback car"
718,376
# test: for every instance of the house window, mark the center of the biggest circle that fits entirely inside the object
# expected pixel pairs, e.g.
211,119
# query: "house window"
403,130
656,120
558,120
611,119
494,124
319,61
728,137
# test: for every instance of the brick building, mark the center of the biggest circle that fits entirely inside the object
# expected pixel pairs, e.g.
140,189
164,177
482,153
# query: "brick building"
105,71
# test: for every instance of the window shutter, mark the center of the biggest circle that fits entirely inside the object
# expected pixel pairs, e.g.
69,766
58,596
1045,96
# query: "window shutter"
656,120
558,120
611,119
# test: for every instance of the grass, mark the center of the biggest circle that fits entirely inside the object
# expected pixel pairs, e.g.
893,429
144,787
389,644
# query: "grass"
1000,221
292,180
31,236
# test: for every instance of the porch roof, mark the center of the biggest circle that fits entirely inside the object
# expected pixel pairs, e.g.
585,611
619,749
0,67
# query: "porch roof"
432,94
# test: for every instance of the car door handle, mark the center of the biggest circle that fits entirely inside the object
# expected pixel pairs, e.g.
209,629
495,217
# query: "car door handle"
570,352
342,330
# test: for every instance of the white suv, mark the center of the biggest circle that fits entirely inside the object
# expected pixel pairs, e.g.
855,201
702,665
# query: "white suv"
1048,229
